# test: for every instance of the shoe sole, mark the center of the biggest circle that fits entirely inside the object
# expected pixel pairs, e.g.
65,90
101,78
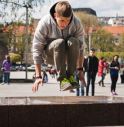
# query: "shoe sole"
70,87
67,87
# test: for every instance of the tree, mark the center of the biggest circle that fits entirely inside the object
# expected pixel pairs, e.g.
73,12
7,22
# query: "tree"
28,8
17,9
15,57
120,46
102,40
88,21
3,48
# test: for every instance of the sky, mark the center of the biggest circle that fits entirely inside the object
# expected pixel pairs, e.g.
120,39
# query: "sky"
102,7
108,8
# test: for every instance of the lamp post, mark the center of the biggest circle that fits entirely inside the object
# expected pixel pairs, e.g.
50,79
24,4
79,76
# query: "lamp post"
26,40
26,6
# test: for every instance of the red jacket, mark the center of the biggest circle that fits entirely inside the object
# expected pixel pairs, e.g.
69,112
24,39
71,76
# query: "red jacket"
100,67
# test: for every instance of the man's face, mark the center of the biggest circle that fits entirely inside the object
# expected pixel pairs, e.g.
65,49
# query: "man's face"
115,58
62,22
92,53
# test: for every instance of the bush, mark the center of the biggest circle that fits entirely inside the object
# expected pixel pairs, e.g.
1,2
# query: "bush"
109,55
15,57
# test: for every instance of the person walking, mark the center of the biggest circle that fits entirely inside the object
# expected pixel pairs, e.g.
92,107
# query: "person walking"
58,40
114,72
53,72
101,71
85,65
45,77
81,90
92,68
6,66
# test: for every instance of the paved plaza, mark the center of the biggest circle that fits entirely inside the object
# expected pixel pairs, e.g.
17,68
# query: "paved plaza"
51,88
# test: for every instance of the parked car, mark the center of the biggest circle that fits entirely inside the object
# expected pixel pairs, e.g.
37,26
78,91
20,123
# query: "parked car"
44,67
31,68
21,68
13,68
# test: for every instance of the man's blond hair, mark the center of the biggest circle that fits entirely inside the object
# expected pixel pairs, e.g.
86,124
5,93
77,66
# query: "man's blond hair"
63,8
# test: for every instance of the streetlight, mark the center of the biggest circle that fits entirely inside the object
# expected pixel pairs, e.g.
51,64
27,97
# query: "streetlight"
26,6
26,40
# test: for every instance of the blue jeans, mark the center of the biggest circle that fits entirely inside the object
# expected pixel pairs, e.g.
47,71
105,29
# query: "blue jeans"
45,79
6,77
80,91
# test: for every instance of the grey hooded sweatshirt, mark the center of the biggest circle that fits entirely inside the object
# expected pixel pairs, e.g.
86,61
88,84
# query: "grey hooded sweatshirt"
47,30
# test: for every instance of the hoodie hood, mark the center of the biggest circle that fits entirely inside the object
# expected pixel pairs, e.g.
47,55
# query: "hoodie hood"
52,10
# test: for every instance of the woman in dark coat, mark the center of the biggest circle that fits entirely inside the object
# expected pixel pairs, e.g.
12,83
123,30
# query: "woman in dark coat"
114,71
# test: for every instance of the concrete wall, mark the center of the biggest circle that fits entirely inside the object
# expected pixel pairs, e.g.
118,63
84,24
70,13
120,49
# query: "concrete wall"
61,111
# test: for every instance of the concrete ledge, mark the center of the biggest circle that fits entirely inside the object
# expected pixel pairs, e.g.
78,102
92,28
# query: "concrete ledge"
61,111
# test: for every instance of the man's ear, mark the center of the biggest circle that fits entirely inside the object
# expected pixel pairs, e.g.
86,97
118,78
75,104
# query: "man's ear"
55,15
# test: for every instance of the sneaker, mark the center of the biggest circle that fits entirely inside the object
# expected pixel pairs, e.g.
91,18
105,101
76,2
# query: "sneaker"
103,86
74,82
99,83
2,83
65,84
112,93
115,93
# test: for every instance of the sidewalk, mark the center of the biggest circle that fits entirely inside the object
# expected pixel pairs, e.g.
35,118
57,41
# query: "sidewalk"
52,89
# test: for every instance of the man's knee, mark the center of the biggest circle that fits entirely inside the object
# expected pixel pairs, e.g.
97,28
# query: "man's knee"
59,43
73,41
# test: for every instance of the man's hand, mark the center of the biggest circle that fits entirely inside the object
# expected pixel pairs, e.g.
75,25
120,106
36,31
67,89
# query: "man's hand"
81,78
36,84
117,68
